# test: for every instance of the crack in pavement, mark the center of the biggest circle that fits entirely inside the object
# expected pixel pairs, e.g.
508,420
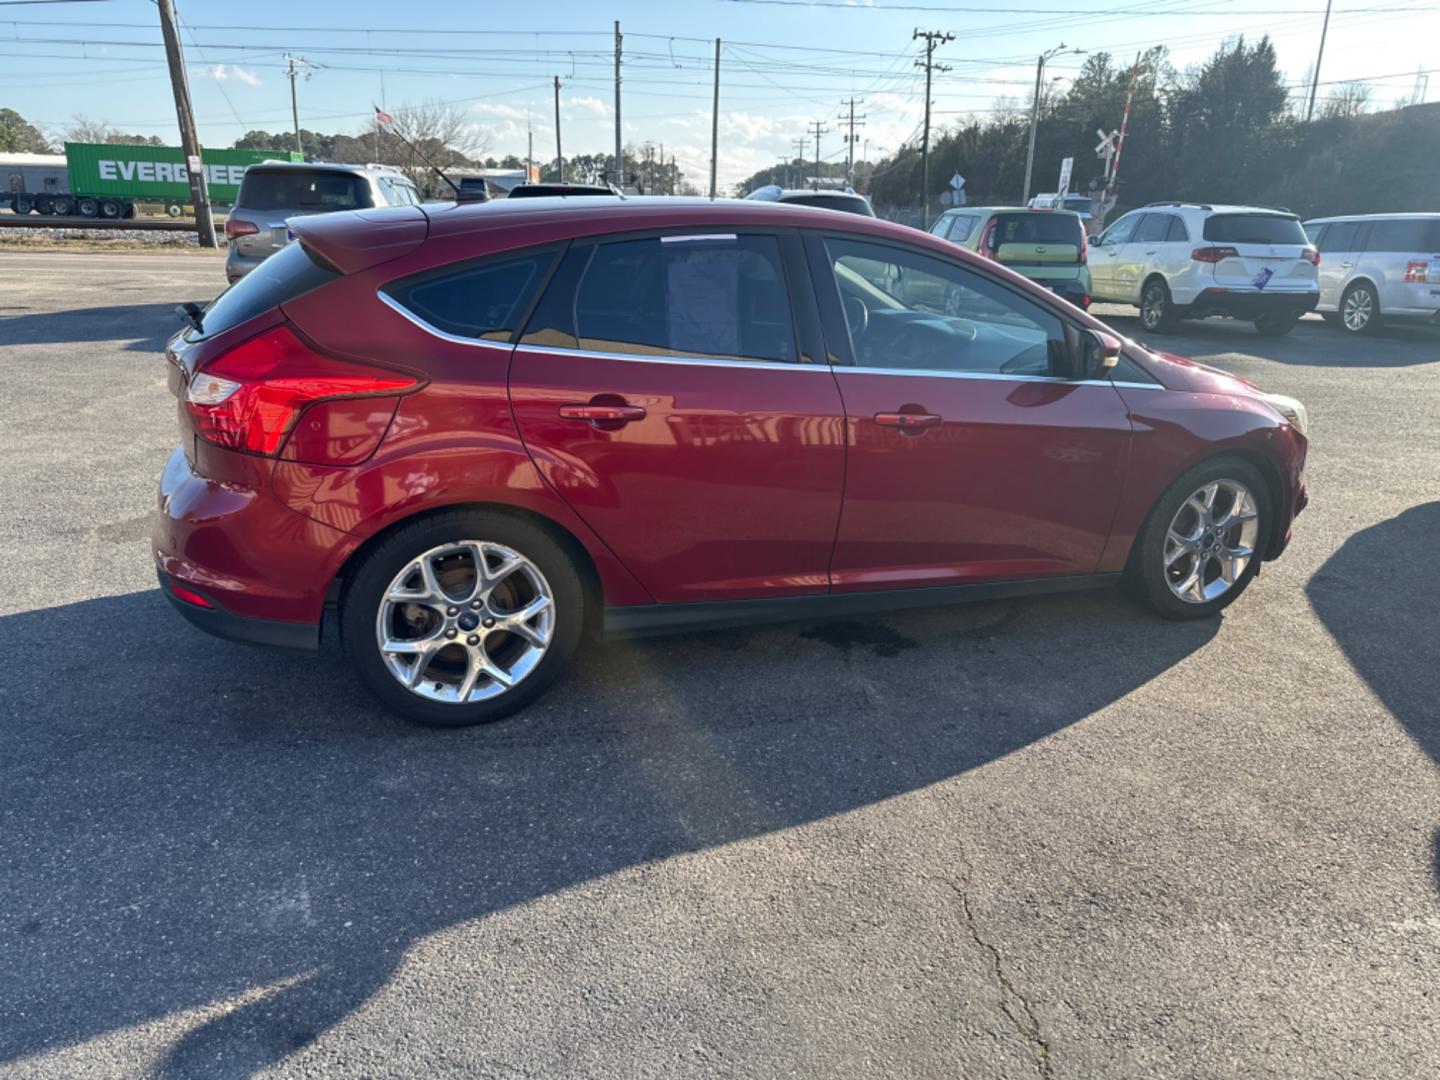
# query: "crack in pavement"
1026,1023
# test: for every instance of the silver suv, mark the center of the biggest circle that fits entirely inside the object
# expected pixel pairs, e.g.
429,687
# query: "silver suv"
1189,260
1377,266
273,191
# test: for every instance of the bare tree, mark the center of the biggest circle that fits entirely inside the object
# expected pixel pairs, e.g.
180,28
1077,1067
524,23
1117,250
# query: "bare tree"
84,130
1349,100
440,131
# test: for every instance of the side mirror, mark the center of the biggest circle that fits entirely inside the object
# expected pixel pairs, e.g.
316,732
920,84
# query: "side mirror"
1099,353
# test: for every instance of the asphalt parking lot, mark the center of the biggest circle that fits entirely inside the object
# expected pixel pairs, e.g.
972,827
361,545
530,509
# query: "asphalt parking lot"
1042,838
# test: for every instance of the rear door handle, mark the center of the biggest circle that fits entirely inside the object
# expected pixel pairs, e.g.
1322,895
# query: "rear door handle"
909,423
621,414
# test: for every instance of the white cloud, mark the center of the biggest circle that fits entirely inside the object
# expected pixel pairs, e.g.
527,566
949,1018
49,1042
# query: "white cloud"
221,72
592,105
498,111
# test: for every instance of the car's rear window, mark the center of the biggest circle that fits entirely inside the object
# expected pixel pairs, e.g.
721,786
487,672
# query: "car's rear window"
850,204
301,189
1255,229
289,273
1415,235
1039,228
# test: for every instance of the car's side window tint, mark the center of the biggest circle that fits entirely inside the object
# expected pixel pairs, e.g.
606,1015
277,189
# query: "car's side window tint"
483,300
941,228
1121,231
707,295
906,310
1153,229
1177,230
1341,236
961,227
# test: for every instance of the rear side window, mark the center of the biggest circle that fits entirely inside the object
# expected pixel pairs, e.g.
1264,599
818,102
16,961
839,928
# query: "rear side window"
1177,230
963,225
1341,236
710,295
1036,229
484,301
1255,229
1415,236
288,273
302,189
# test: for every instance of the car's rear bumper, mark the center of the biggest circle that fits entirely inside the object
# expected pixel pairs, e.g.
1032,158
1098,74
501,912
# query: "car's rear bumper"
1252,305
237,265
263,569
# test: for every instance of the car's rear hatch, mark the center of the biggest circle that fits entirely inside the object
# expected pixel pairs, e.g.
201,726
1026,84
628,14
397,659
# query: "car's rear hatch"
1044,247
1259,252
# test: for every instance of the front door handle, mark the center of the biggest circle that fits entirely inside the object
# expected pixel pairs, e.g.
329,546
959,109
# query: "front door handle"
909,423
615,414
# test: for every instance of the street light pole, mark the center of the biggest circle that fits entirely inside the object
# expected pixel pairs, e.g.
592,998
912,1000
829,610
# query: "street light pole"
1035,113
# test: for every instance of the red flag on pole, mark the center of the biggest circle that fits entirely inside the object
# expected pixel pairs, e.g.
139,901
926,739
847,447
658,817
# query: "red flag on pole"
383,118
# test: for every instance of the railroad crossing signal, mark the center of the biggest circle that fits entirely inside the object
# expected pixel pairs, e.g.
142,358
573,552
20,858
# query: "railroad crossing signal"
1106,149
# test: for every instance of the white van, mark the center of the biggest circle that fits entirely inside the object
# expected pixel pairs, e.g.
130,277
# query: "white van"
1377,266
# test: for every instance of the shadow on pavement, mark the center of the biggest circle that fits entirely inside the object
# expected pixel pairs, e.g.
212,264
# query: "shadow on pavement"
1378,596
133,327
1312,343
187,820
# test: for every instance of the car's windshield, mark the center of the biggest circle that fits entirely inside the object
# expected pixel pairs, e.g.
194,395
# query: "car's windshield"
1255,229
302,189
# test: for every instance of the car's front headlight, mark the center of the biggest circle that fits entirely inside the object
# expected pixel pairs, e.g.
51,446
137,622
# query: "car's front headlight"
1291,410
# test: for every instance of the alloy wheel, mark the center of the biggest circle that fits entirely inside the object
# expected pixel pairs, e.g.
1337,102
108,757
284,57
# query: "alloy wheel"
1152,307
1358,309
465,621
1211,541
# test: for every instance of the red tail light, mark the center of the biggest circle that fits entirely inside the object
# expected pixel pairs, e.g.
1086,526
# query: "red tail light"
235,227
1213,254
1311,255
1417,271
250,397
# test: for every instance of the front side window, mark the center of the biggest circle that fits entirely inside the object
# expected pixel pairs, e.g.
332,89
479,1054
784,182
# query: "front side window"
1121,231
906,310
1341,236
482,301
709,295
1153,229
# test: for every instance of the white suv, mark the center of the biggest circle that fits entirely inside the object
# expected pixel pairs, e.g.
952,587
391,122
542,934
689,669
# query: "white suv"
1189,260
1378,265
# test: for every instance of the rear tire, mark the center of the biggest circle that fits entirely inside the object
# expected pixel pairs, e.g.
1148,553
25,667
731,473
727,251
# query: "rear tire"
109,208
1360,309
87,207
1157,309
45,205
1181,538
1274,326
64,205
463,675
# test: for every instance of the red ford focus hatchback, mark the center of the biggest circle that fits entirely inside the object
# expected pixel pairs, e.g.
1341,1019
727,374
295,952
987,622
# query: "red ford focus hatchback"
476,431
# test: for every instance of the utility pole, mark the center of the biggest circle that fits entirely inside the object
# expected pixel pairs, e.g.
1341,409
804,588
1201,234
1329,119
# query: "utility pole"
529,148
1035,113
619,155
664,180
851,138
820,129
799,162
291,73
715,122
933,39
199,190
1315,81
559,157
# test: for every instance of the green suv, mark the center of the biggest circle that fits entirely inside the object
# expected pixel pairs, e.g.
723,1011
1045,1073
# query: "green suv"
1047,246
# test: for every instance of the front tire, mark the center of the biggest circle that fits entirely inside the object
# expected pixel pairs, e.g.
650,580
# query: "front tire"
1202,543
462,617
1157,309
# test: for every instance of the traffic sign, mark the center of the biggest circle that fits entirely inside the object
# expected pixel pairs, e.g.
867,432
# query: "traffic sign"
1064,186
957,181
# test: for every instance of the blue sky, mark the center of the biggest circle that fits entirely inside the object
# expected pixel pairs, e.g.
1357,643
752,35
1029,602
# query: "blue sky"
784,64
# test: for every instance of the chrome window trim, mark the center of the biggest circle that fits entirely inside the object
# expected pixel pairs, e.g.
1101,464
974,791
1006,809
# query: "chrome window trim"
663,358
697,237
988,376
395,305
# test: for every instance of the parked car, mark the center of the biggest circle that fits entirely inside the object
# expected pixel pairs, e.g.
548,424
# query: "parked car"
1190,260
1080,204
1047,246
475,431
1377,266
847,201
275,192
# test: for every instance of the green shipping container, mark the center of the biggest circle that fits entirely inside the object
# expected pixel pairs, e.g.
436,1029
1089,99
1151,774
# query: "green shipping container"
158,172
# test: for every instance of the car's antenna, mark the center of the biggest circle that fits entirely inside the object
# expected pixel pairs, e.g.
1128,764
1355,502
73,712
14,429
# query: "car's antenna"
387,122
